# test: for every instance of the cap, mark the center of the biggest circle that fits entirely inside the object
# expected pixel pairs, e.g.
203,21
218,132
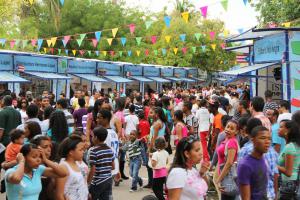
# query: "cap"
28,93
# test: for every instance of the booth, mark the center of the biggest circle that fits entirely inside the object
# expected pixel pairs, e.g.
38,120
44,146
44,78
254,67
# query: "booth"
180,74
153,73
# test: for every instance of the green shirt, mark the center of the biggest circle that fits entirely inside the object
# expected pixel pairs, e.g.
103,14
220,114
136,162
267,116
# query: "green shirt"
10,118
294,150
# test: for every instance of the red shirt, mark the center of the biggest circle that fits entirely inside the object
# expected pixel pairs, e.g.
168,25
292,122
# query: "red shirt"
144,128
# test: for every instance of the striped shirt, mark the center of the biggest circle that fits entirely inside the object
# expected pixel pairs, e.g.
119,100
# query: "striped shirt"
69,118
270,106
101,157
84,122
133,148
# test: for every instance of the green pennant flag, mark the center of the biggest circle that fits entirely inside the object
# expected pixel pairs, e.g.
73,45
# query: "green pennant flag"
120,53
155,52
148,24
197,36
194,49
297,84
17,42
138,40
225,4
90,53
79,41
58,51
24,43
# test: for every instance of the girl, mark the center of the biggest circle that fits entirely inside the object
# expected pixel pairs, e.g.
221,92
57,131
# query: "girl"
158,126
31,129
58,127
24,180
74,185
289,159
92,118
184,181
22,105
180,129
159,161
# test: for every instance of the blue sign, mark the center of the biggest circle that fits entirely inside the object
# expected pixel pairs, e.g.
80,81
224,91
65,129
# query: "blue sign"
181,72
294,46
270,48
62,65
151,71
37,64
135,70
81,67
166,72
192,72
6,62
110,69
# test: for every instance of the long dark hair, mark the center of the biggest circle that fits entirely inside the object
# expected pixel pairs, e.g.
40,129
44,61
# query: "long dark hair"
58,125
179,115
68,144
293,133
120,104
160,112
34,129
96,109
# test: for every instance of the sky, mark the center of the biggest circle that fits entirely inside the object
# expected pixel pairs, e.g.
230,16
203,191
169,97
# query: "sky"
238,16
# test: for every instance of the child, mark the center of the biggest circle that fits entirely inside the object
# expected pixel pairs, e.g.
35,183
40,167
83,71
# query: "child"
159,161
252,169
17,140
102,163
135,160
131,121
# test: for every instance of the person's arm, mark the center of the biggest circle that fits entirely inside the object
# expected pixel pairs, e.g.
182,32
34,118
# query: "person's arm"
118,125
228,164
6,165
157,127
288,168
91,174
60,186
113,165
89,127
276,186
245,192
53,170
17,176
174,194
178,130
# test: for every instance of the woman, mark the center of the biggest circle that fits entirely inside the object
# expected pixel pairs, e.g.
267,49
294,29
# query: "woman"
92,119
31,129
180,130
185,182
22,105
24,180
58,127
45,123
289,159
227,154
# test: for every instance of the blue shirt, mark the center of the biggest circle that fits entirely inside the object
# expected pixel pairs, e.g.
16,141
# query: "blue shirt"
275,137
271,158
29,188
49,133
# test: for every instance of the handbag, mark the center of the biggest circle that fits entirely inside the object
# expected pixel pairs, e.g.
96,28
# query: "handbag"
289,189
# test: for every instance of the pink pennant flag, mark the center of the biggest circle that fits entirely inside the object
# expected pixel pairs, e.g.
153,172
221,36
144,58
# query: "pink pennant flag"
147,52
204,11
184,50
12,44
223,45
51,50
153,39
81,52
33,42
132,28
112,53
66,39
95,42
212,35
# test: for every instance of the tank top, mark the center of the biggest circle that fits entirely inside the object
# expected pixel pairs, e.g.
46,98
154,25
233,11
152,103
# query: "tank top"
75,186
161,132
184,133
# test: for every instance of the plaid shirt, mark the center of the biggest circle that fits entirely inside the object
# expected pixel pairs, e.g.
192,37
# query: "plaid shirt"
264,120
271,158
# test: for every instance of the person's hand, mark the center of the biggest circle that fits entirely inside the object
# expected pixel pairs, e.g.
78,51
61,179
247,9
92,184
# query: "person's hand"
20,158
205,165
43,155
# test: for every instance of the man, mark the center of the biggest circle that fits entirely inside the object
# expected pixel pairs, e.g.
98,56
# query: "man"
234,103
223,101
277,142
256,108
77,114
190,120
284,111
74,100
44,104
216,127
32,113
270,104
195,107
139,104
9,119
62,104
93,98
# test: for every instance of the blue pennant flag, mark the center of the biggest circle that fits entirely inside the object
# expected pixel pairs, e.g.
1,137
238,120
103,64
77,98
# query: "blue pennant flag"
164,51
129,53
123,40
245,2
203,48
167,21
62,2
40,42
98,35
182,37
2,41
240,30
97,53
67,51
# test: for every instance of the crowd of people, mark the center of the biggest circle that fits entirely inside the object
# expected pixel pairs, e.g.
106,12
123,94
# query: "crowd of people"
77,149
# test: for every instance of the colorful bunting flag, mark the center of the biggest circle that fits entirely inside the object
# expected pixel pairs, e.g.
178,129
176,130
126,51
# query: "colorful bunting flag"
112,53
33,42
129,53
213,46
226,33
66,40
74,52
184,50
66,51
45,50
97,53
245,2
98,35
138,53
81,52
31,2
51,50
164,51
62,2
90,53
49,42
197,36
12,44
175,50
182,37
120,53
114,32
138,40
104,53
123,41
2,42
203,47
79,41
40,42
212,35
204,11
95,42
155,52
153,39
17,42
167,20
224,3
132,28
194,49
148,24
53,41
223,45
286,24
147,52
185,16
59,51
168,38
24,43
109,41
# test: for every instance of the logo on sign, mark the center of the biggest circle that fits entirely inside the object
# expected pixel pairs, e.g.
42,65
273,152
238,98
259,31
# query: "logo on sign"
21,68
177,75
102,72
128,74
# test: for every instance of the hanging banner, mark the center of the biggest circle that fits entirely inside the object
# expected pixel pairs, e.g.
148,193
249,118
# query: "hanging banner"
133,70
81,67
6,62
166,72
109,69
294,43
38,64
181,72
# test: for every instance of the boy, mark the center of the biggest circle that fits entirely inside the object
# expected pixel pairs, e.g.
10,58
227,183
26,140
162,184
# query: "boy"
17,140
252,169
102,163
135,160
131,120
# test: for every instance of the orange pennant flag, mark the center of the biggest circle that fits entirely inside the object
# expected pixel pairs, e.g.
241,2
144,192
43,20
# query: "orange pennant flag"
114,32
185,16
168,38
175,50
109,41
74,52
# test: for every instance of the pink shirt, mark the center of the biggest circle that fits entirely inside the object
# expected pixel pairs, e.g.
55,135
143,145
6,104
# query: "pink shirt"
232,143
184,133
264,120
120,115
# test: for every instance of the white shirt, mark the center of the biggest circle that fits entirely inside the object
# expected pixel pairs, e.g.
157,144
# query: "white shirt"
24,116
22,126
92,101
203,119
222,111
284,116
112,141
161,157
195,108
193,186
131,123
45,126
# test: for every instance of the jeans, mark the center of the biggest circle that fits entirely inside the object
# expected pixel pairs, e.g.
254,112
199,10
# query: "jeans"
158,187
227,197
134,168
144,153
203,139
103,191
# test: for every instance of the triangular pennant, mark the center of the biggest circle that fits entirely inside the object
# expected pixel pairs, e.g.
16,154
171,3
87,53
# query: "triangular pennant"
79,41
184,50
66,40
155,52
82,36
81,52
163,51
33,42
287,24
24,43
129,53
53,41
89,52
138,40
148,24
40,42
74,52
31,2
153,39
12,44
182,37
45,50
109,41
120,53
167,20
226,33
194,49
95,42
175,50
2,42
104,53
197,36
203,47
62,2
132,28
224,3
112,53
49,42
66,51
213,46
123,41
114,32
51,50
245,2
98,35
58,51
138,53
185,16
212,35
18,42
223,45
147,52
97,53
168,38
204,11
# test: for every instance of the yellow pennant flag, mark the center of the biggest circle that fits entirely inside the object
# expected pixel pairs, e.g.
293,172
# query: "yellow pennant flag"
175,50
226,33
287,24
45,50
114,32
109,41
31,2
74,52
53,41
213,46
49,42
185,16
168,38
138,53
104,53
